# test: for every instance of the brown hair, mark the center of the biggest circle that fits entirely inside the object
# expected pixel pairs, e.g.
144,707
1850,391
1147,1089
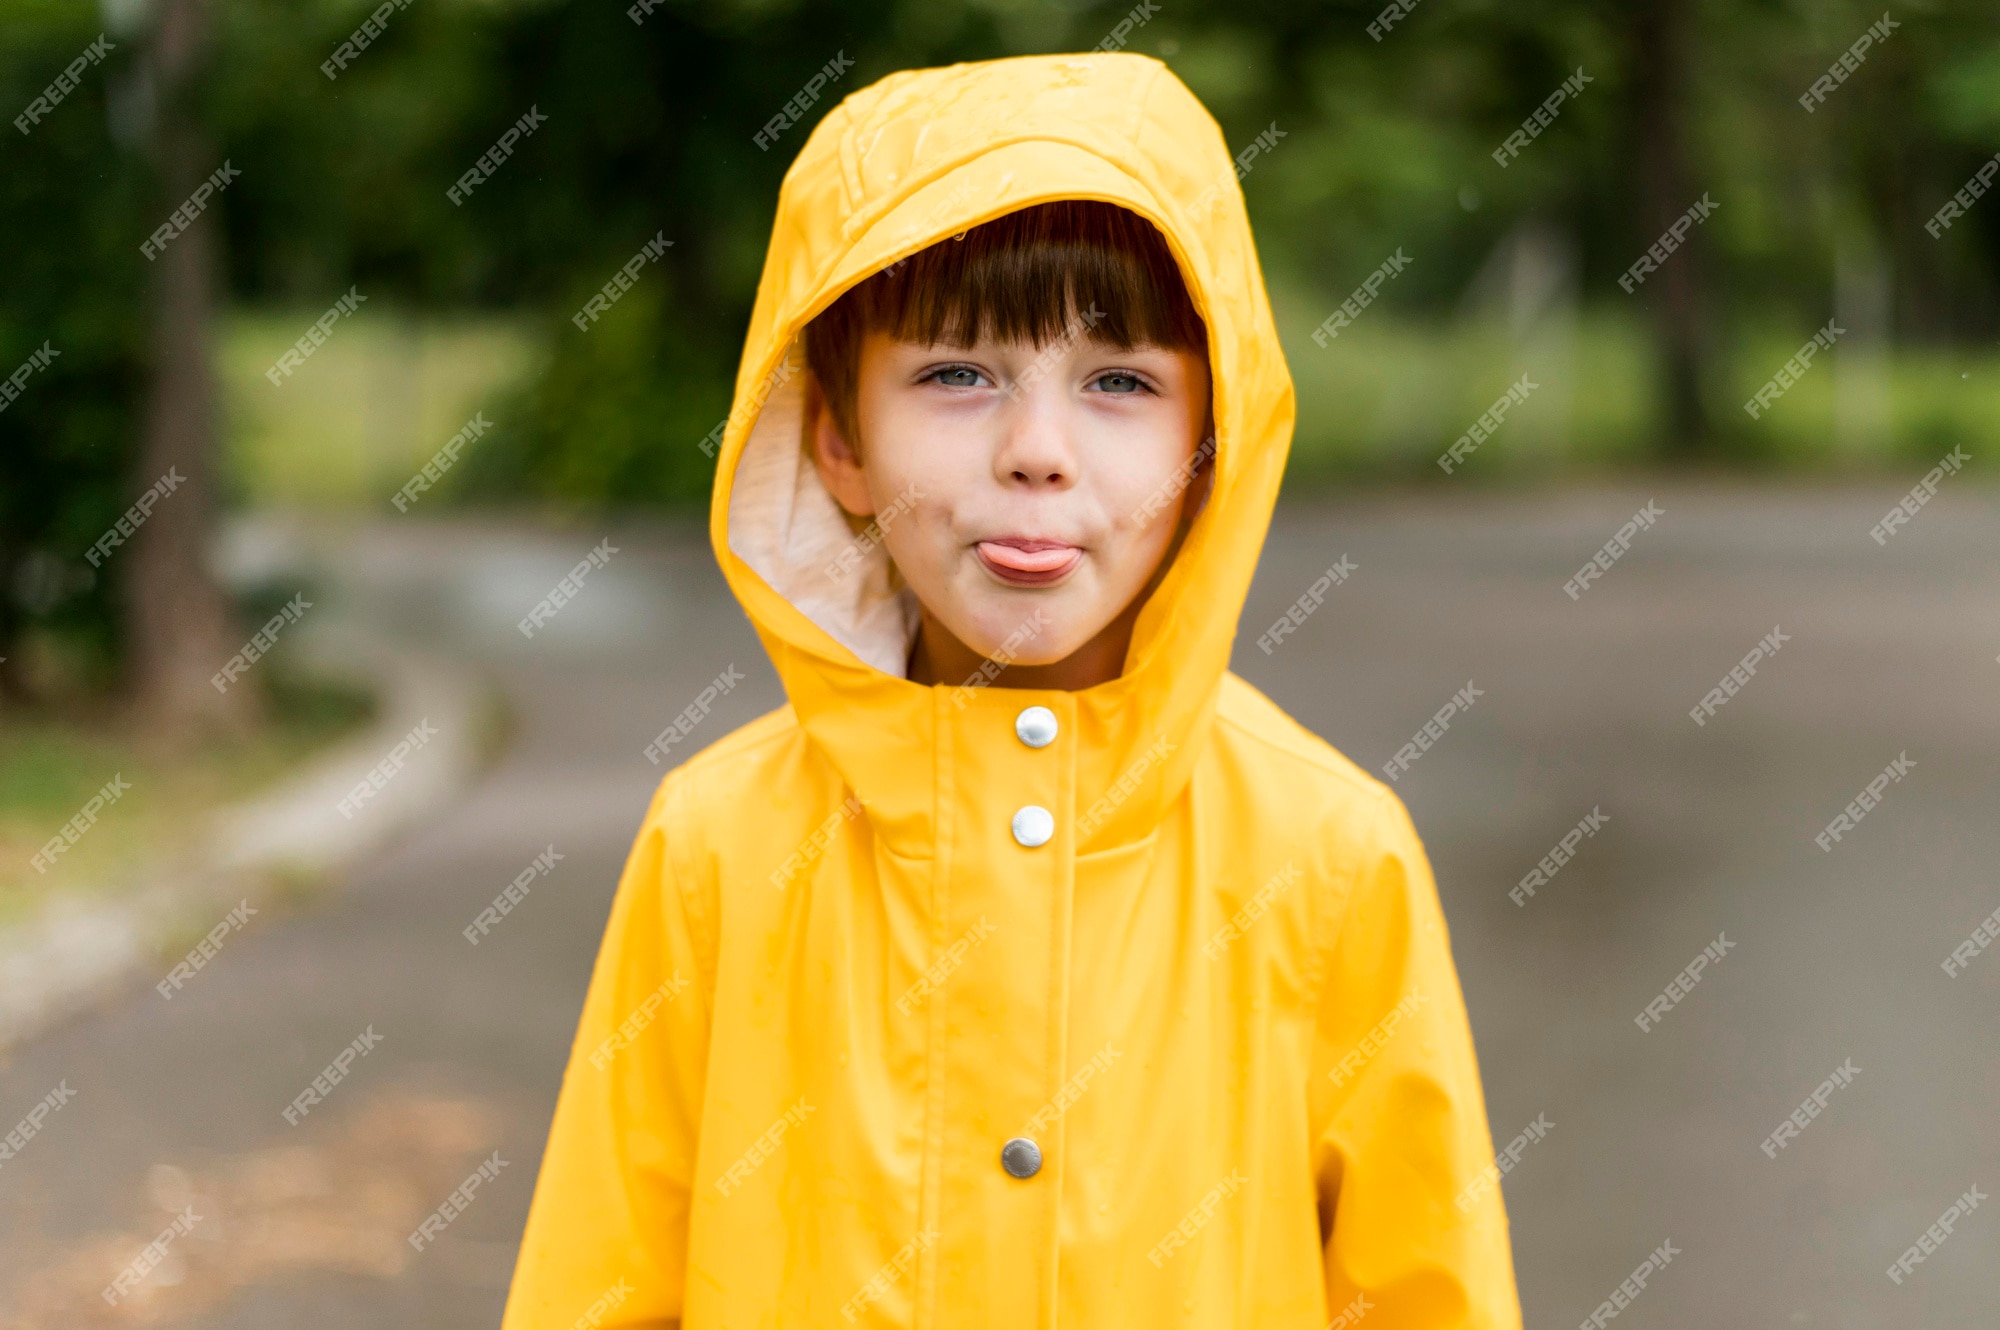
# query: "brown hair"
1024,276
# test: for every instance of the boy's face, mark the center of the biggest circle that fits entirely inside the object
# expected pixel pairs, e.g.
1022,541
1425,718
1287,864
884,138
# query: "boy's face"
1008,480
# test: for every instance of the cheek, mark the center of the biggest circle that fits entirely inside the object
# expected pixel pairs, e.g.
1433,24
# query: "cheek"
915,494
919,540
1145,487
907,462
917,528
1149,529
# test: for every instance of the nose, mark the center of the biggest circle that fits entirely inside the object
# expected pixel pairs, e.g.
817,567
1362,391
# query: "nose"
1036,451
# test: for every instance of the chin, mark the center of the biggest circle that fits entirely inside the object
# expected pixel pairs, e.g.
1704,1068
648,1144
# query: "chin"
1038,633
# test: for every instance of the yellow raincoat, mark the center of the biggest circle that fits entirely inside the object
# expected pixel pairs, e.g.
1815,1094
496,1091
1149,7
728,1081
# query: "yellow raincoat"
1220,1000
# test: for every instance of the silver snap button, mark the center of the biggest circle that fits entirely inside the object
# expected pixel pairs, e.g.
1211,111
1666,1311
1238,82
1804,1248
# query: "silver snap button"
1021,1157
1033,826
1036,727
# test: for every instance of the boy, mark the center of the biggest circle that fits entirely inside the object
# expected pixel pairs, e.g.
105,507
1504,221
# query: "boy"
1028,969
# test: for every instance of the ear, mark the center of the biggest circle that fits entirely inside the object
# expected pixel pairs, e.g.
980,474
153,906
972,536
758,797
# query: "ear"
834,456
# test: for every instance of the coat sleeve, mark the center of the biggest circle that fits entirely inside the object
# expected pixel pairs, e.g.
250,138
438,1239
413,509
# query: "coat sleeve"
607,1232
1414,1231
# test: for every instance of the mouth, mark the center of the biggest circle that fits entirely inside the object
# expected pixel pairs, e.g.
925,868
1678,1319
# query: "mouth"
1018,561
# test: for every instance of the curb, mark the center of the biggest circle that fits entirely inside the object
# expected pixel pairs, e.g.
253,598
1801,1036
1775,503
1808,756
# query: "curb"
77,953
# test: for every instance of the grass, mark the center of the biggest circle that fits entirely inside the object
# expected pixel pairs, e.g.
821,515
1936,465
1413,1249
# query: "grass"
369,407
51,765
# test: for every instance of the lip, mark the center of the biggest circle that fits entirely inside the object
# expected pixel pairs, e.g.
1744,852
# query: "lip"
1023,561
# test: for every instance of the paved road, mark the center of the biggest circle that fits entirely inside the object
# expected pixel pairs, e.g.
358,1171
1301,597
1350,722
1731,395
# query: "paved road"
1832,959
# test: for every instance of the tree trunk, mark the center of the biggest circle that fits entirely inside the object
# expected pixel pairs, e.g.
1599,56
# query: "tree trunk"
1663,39
178,619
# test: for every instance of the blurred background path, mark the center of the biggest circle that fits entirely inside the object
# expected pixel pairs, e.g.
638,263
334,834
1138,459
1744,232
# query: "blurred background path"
1833,957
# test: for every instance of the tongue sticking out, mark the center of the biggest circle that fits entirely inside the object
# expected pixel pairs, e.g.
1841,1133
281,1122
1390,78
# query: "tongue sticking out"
1028,561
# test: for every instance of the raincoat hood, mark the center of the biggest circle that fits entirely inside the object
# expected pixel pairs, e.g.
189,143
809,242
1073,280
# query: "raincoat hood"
911,160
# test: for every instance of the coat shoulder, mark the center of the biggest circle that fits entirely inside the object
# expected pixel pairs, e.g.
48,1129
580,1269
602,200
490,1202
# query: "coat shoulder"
1265,746
1286,796
729,771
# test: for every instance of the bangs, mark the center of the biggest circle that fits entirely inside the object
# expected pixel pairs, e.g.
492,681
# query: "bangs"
1029,276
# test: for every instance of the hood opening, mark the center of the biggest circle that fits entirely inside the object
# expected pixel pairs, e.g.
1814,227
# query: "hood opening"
792,532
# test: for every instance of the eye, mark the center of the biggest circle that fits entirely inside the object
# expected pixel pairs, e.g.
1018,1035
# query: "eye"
956,376
1119,381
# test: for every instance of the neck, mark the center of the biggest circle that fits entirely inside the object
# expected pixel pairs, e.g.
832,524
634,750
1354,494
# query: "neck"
939,657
